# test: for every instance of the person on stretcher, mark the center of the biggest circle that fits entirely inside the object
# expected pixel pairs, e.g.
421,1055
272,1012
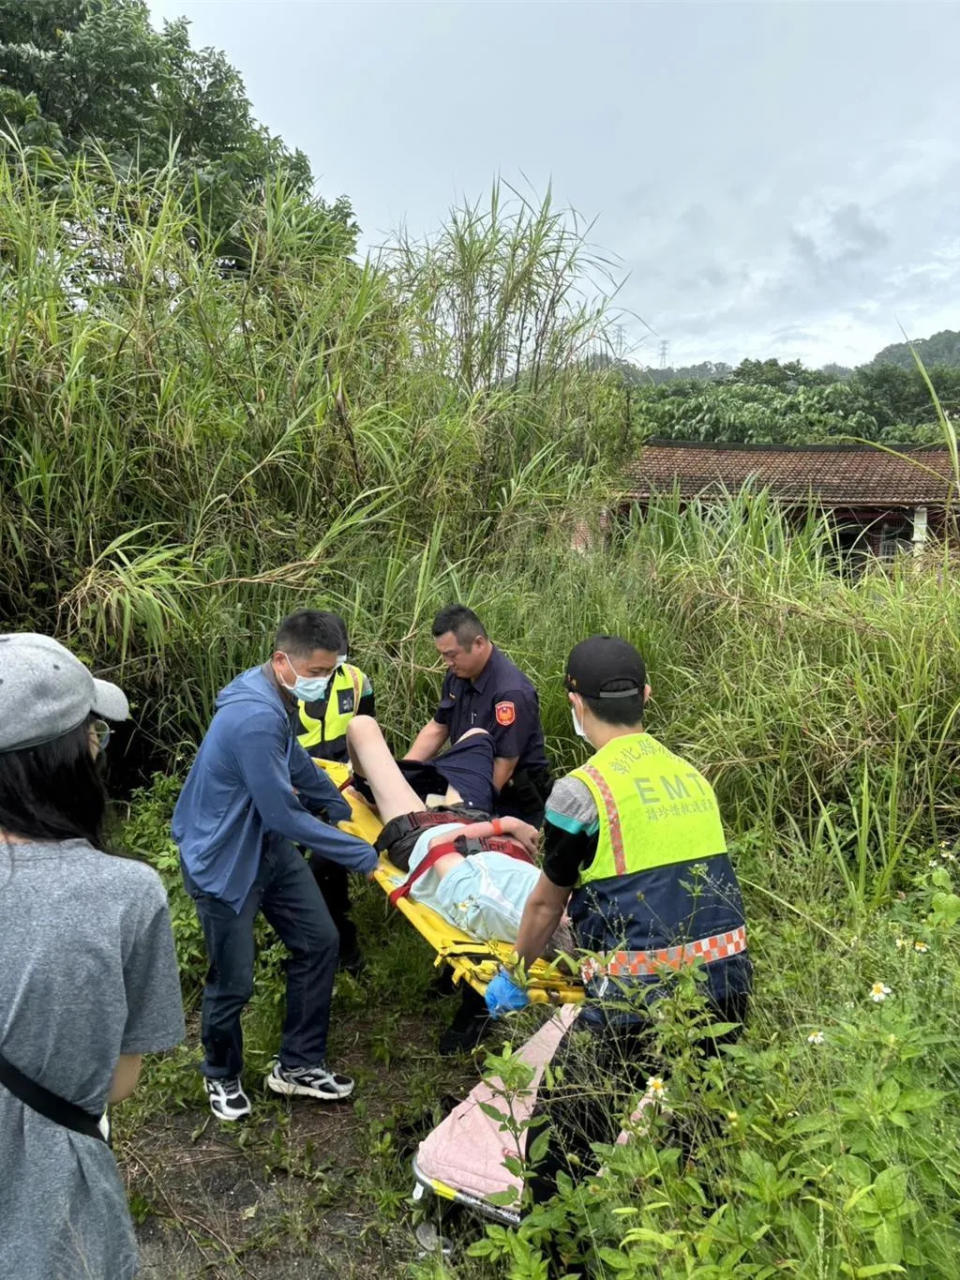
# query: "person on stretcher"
475,872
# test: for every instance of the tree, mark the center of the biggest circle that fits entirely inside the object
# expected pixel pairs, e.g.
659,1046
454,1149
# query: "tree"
771,373
942,349
91,66
81,75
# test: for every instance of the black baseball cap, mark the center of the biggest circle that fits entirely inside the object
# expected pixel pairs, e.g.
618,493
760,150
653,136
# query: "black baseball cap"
601,661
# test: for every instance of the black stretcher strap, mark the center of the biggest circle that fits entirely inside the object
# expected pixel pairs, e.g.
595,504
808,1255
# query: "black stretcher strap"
48,1104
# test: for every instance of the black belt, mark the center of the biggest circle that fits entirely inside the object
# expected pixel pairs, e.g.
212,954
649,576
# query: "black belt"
48,1104
422,820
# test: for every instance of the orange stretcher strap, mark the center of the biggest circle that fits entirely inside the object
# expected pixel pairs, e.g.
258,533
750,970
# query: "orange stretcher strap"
634,964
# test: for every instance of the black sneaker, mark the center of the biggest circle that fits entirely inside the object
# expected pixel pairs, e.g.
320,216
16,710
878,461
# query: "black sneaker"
227,1099
310,1082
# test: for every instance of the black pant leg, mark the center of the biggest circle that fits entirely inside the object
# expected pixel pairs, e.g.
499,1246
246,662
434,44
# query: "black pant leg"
597,1068
228,936
525,795
333,881
600,1065
296,910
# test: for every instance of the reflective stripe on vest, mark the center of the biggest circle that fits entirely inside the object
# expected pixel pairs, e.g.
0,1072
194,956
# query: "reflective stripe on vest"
654,808
634,964
334,722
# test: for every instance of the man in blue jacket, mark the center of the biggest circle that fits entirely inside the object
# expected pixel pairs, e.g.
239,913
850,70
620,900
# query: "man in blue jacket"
251,795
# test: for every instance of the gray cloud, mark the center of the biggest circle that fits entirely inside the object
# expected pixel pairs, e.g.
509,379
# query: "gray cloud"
765,190
858,234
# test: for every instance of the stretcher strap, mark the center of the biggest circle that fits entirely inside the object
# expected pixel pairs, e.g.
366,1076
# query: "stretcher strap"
436,852
634,964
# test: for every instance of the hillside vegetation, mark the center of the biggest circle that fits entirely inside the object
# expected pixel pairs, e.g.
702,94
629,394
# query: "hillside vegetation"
941,350
764,401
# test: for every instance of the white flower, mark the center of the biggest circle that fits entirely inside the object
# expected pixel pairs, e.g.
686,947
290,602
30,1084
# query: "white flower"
948,855
656,1088
815,1037
920,946
879,993
901,943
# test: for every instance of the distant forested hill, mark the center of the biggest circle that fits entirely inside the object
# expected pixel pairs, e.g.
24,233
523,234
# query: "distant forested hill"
942,349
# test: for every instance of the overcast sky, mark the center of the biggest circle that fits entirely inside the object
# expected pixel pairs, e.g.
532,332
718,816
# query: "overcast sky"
773,178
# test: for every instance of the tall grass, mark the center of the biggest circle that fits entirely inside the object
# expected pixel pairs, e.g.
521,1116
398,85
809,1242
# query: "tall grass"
189,450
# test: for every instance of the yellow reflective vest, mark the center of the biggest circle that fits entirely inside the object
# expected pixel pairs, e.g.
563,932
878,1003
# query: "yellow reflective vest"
655,809
660,882
327,737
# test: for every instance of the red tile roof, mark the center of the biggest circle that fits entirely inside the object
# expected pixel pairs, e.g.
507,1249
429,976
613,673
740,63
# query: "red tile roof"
835,475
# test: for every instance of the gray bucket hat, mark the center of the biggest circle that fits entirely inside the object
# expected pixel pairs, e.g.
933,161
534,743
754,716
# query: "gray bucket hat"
45,692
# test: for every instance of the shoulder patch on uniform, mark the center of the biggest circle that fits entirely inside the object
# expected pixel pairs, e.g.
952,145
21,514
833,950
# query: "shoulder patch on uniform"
505,712
345,701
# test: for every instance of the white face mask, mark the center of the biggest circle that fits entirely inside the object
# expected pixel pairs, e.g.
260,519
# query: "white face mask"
577,726
341,659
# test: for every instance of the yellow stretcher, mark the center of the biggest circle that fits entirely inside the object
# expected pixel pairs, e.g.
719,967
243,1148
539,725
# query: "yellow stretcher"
471,960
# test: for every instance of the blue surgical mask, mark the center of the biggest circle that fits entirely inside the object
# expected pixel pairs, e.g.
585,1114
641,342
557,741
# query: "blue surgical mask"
311,688
306,688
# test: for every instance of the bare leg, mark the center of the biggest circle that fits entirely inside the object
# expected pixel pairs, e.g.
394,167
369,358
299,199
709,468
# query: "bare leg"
372,760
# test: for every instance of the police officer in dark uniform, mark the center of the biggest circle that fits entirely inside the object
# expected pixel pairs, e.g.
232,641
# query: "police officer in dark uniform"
483,689
321,728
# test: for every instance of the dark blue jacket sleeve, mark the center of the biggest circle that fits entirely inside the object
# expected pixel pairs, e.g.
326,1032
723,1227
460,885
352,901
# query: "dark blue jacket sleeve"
261,752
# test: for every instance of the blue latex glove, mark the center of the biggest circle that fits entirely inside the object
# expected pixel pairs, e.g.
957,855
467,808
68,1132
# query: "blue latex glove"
503,995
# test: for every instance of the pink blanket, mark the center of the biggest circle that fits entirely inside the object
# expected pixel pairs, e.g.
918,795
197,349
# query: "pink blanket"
467,1149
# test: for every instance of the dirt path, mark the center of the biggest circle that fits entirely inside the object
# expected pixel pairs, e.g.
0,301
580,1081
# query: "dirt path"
300,1189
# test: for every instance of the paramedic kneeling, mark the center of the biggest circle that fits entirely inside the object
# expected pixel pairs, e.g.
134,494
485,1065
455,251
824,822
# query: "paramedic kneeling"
635,851
250,796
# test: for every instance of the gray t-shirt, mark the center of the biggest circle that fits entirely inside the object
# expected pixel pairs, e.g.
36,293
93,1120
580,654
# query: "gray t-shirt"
87,972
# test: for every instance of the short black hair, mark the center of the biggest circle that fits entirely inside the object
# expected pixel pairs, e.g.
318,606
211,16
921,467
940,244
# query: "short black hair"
463,622
303,632
54,791
619,711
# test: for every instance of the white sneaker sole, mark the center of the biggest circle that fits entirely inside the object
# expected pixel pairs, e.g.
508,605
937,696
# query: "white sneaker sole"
233,1117
229,1117
289,1089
